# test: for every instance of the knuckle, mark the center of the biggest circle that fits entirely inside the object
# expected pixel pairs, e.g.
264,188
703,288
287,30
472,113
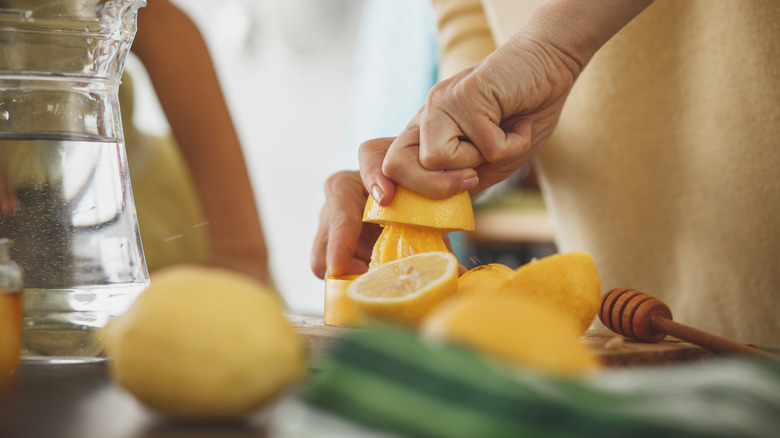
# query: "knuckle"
432,158
494,154
391,169
367,145
335,183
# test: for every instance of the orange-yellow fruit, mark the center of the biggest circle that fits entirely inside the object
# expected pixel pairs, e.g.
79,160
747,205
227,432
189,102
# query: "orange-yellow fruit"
405,290
569,282
513,329
414,224
339,310
204,342
407,207
483,278
398,241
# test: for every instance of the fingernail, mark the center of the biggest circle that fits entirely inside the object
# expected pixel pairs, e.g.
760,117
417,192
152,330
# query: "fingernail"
377,193
469,183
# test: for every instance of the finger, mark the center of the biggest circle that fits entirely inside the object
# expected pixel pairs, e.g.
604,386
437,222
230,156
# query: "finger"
496,144
343,238
402,165
340,224
319,249
371,154
479,122
493,173
443,144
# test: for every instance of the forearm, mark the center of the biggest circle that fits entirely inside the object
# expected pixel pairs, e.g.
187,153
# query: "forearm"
576,29
184,78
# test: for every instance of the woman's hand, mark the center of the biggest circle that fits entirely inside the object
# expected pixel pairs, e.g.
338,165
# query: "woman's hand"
343,243
482,124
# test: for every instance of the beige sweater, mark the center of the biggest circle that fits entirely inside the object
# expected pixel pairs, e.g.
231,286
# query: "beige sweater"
666,161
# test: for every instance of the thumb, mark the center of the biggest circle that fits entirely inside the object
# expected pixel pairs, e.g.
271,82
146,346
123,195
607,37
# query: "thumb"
371,156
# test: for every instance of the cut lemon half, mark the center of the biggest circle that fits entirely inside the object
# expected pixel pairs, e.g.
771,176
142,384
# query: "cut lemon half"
405,290
338,309
410,208
414,223
398,241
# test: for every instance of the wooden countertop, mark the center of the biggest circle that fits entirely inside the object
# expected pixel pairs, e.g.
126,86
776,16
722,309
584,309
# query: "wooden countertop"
614,350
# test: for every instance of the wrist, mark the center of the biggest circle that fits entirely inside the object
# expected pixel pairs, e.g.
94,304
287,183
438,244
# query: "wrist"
572,31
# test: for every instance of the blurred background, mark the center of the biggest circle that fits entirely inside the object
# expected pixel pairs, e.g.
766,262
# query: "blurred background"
307,81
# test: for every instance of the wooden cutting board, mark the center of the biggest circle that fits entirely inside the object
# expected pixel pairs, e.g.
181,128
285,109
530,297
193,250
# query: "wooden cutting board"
614,350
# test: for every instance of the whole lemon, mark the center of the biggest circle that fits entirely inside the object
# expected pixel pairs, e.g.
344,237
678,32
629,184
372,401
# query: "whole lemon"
569,282
204,342
514,329
483,278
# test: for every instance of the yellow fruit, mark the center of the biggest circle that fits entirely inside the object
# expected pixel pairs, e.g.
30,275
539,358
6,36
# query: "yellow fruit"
399,241
483,278
10,336
569,282
410,208
405,290
338,308
512,329
413,223
205,343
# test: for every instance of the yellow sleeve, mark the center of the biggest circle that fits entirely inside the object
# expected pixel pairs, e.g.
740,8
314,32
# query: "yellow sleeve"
464,34
506,16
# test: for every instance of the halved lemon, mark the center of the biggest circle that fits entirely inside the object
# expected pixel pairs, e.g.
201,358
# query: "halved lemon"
398,241
414,223
405,290
339,310
410,208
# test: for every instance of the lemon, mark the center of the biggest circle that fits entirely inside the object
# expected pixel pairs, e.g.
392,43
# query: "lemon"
483,278
569,282
410,208
339,310
414,223
512,329
399,241
204,342
405,290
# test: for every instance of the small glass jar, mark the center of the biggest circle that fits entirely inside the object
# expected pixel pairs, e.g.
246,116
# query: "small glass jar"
10,314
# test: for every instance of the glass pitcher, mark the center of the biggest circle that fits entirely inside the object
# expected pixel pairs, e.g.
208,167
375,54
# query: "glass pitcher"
65,196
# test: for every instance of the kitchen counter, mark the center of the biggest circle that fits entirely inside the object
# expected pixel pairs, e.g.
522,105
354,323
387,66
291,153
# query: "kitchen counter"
79,400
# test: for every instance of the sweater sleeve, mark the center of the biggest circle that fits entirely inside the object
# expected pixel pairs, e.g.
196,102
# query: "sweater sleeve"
464,34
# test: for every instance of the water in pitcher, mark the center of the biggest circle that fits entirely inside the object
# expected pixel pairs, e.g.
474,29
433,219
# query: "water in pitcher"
68,206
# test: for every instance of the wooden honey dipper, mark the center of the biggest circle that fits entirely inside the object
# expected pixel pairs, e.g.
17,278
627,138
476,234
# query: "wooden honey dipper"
639,316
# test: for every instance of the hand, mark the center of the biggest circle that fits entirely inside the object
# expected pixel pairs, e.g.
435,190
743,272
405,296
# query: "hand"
343,243
482,124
